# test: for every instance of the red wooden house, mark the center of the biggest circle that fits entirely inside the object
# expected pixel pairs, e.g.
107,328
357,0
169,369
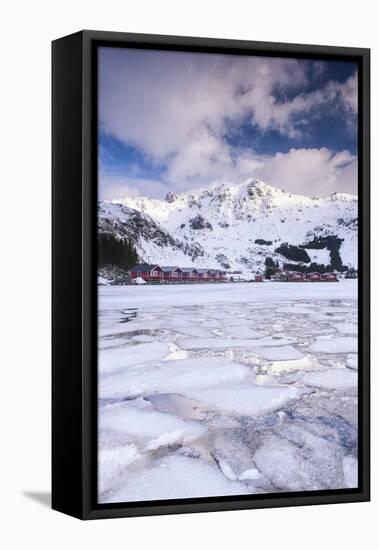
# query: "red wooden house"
258,278
330,277
216,274
189,273
204,274
314,276
295,276
147,272
172,273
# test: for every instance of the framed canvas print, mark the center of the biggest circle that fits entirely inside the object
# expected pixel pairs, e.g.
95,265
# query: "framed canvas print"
210,274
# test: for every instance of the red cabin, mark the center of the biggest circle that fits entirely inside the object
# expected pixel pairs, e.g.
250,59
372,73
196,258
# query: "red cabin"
258,279
330,277
315,276
295,276
172,273
147,272
216,274
189,273
204,274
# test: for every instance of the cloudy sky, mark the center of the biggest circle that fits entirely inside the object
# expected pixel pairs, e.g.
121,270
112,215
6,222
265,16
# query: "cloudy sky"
172,121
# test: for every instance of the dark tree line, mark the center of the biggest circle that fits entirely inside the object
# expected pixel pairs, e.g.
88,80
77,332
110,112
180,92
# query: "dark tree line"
271,267
293,253
331,243
313,267
118,252
263,242
298,254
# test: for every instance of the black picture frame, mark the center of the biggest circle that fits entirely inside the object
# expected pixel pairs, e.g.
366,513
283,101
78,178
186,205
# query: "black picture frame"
74,306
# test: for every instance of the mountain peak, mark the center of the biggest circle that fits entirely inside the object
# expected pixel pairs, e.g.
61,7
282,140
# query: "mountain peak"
258,186
234,225
171,197
342,197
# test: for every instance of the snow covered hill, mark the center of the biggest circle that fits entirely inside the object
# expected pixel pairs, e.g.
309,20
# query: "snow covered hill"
236,226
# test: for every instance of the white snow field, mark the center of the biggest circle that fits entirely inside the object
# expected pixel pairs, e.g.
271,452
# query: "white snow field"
226,389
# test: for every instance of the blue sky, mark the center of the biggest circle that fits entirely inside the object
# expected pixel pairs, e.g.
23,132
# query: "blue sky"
172,121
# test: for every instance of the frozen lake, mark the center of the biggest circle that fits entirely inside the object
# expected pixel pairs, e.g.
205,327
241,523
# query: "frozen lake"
226,389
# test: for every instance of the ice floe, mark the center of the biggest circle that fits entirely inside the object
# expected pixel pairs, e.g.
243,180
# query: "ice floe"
176,477
245,400
220,343
112,462
279,352
172,377
332,378
306,463
347,328
309,362
338,344
112,360
352,361
145,426
350,470
251,473
241,331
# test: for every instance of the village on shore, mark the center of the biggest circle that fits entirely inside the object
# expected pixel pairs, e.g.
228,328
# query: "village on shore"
145,273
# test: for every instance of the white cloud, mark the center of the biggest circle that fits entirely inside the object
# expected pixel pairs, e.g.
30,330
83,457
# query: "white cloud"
177,110
349,93
113,186
160,102
311,171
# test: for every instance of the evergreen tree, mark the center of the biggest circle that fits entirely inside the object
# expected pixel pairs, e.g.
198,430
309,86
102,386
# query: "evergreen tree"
270,267
117,252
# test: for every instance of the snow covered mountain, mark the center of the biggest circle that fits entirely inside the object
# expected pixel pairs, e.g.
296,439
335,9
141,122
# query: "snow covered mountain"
236,226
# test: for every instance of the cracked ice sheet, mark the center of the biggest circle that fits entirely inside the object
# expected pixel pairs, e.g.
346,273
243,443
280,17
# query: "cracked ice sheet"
176,477
149,296
173,377
147,426
242,331
305,363
278,353
352,361
198,332
334,344
220,343
339,379
297,468
112,462
294,310
112,360
246,400
347,328
325,407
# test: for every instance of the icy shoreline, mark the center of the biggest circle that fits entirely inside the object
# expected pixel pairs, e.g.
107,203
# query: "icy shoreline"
226,389
178,295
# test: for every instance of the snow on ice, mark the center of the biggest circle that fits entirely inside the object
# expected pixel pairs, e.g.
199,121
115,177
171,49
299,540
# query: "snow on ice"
246,400
175,477
171,376
209,390
331,379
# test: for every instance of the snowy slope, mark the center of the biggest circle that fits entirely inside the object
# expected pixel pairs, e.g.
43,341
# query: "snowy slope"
218,226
